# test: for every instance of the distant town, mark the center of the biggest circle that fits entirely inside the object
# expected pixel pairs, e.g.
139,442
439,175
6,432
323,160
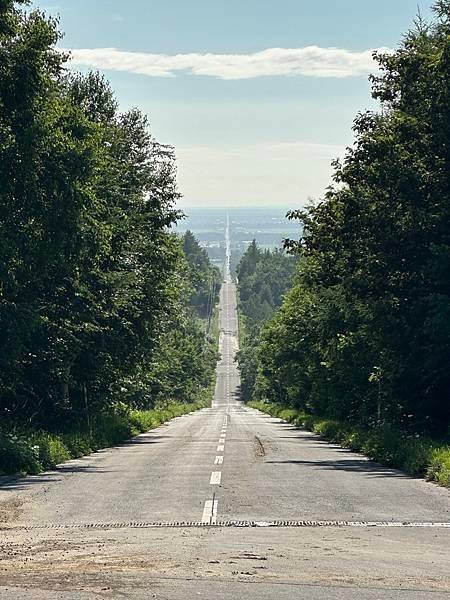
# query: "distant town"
268,226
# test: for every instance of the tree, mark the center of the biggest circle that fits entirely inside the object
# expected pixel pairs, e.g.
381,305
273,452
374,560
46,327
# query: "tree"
263,278
365,331
204,277
92,281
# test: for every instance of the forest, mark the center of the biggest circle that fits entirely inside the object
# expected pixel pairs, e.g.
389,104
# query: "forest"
264,276
103,309
362,337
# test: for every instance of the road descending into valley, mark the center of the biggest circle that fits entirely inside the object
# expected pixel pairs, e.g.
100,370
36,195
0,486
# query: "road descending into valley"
224,503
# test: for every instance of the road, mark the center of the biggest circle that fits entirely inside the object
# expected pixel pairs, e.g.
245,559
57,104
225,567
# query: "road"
226,503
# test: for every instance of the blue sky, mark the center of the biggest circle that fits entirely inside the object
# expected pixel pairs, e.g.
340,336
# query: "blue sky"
251,129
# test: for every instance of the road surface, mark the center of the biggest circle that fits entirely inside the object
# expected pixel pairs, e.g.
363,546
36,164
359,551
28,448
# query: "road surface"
225,503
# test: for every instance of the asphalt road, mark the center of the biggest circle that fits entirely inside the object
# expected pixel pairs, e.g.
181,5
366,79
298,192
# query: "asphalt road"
225,503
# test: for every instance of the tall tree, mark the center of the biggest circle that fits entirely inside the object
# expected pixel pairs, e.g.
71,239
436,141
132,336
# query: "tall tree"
92,281
204,277
263,279
364,334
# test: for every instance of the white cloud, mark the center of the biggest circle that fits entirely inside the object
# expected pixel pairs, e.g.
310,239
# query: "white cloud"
255,175
310,61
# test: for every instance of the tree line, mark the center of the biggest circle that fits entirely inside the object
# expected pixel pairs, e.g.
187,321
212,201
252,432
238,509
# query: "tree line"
98,301
263,276
363,335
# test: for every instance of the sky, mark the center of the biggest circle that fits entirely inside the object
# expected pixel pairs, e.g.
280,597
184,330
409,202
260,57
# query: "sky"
257,97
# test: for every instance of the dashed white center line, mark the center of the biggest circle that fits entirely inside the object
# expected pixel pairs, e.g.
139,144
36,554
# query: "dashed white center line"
218,460
216,477
214,512
210,512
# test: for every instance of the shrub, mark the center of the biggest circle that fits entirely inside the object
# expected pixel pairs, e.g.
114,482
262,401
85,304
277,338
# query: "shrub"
287,414
111,429
51,449
439,467
142,421
78,444
329,429
18,455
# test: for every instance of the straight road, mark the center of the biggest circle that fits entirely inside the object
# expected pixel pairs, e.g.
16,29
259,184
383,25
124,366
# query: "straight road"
226,503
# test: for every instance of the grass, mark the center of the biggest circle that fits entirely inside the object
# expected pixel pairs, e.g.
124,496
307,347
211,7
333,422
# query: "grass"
413,455
31,452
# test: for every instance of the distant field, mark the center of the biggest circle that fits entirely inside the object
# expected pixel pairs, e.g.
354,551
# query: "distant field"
209,224
268,226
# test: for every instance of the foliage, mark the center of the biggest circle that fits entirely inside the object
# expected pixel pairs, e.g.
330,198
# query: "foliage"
18,454
263,278
205,278
94,287
364,335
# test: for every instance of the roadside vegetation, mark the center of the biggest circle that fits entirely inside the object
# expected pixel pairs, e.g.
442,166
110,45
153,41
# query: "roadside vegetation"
360,348
264,276
104,311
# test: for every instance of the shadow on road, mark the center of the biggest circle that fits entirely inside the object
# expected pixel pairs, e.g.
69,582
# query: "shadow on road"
362,465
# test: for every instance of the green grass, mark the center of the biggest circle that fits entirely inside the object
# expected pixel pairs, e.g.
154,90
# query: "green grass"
31,452
414,455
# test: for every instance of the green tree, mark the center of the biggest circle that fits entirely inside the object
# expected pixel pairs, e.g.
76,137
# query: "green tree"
93,283
263,279
365,331
204,277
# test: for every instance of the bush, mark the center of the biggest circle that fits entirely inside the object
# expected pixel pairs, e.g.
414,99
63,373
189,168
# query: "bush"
142,421
111,429
18,455
77,444
287,414
439,467
329,429
51,449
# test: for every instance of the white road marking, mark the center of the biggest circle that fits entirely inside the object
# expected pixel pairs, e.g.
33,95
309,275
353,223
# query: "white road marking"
214,512
220,448
207,511
218,460
210,512
216,476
